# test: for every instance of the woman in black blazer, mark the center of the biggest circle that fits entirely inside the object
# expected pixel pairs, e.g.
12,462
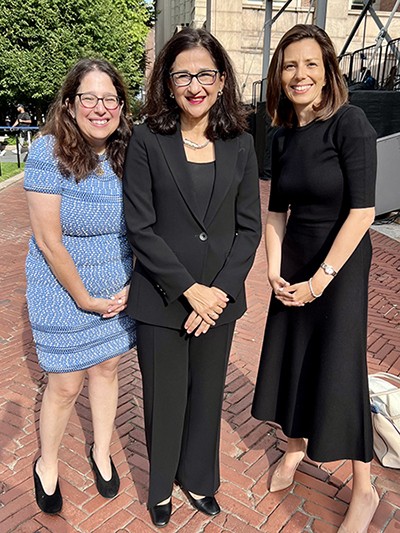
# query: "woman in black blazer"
193,218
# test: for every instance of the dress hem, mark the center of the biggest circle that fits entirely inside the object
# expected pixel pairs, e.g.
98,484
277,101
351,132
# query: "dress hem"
67,370
340,457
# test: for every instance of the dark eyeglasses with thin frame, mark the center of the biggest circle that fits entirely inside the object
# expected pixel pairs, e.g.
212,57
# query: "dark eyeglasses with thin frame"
204,77
90,101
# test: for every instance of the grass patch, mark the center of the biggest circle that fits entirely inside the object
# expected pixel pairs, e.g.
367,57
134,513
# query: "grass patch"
8,170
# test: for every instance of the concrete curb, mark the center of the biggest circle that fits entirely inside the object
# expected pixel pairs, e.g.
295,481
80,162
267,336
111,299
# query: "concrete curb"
11,181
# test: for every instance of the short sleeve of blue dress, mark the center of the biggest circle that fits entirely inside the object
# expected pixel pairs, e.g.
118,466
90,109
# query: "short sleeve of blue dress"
93,231
42,174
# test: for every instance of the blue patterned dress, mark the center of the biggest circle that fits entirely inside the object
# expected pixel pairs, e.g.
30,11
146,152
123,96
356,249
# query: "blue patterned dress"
93,228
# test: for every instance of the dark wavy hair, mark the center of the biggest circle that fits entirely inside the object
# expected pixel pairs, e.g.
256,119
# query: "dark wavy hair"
227,117
334,93
74,154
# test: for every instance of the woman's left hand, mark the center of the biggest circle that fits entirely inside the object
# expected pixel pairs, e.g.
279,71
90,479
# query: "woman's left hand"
295,295
195,322
121,300
208,302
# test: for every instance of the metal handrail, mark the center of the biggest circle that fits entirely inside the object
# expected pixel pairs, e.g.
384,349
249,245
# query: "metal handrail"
380,63
18,130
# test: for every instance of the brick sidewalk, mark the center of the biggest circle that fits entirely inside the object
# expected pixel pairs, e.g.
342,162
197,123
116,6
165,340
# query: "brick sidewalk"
316,502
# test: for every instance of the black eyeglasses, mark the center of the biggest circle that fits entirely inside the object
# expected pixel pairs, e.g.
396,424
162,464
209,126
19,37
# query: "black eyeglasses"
90,101
204,77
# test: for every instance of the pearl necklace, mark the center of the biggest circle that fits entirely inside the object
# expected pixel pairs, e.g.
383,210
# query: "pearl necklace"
195,146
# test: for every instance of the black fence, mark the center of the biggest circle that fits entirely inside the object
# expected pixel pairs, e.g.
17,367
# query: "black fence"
23,135
377,68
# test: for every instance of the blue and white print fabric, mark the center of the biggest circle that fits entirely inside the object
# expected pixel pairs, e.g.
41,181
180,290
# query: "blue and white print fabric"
93,231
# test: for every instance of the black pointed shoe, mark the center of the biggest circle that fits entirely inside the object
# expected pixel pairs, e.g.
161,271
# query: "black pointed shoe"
50,504
207,505
160,514
107,489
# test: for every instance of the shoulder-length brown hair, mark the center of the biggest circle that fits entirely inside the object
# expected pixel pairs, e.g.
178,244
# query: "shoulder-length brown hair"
74,155
227,117
334,93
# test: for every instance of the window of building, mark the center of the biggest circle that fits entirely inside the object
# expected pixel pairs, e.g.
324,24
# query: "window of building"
296,4
277,4
378,5
357,4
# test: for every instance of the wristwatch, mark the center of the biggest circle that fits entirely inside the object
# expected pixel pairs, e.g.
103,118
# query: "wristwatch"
328,270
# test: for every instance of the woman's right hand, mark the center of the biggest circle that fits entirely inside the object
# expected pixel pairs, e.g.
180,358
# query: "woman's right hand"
206,302
278,285
105,307
196,325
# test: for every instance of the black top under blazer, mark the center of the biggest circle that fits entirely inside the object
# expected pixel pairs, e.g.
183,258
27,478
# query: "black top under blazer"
174,248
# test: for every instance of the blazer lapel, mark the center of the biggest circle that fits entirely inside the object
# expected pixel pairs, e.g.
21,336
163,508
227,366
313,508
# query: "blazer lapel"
226,153
174,154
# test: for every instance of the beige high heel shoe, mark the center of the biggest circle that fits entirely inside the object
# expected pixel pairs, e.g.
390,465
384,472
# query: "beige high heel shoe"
279,482
343,529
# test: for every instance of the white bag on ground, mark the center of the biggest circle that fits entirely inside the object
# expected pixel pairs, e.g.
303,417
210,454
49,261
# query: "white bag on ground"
385,410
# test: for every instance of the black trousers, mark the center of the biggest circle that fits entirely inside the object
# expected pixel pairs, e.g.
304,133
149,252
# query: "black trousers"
183,384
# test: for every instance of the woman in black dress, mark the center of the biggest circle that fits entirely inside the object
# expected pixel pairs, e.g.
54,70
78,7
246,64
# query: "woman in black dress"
312,378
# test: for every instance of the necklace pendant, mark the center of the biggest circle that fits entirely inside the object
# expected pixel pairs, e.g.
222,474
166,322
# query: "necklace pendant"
194,145
99,170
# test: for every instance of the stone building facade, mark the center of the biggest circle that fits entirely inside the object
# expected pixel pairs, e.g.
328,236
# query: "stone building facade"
238,24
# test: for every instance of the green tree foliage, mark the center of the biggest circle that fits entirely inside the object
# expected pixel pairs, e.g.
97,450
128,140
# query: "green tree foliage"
41,39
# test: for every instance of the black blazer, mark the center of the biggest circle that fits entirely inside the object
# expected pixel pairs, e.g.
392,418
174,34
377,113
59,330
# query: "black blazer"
173,247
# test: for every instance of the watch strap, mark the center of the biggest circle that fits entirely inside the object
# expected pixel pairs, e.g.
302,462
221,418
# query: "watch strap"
328,269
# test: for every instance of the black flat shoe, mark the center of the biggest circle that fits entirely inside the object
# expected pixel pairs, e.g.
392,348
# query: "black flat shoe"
207,505
107,489
160,514
48,504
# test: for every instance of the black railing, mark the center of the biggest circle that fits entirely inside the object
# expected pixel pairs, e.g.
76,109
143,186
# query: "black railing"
379,65
259,91
391,67
256,95
18,131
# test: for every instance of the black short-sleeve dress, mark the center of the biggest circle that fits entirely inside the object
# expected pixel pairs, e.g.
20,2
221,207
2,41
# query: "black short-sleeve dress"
312,378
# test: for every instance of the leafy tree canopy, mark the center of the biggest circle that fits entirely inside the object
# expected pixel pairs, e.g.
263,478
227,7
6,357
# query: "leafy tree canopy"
41,39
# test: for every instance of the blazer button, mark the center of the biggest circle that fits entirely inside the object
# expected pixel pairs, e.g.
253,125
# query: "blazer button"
203,236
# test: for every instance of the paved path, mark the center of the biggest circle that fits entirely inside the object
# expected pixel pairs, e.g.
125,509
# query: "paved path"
317,501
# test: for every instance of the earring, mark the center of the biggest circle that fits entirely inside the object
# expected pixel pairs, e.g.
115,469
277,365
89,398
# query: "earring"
220,93
172,95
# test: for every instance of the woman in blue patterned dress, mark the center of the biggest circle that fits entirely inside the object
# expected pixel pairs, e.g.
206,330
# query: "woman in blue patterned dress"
79,266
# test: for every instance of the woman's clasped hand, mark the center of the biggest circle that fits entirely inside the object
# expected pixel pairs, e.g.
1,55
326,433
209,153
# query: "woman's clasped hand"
295,295
208,303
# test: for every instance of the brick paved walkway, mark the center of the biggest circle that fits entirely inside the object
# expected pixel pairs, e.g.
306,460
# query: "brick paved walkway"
316,502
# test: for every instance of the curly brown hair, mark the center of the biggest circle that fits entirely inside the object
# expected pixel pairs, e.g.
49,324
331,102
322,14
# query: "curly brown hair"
227,117
334,93
74,155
